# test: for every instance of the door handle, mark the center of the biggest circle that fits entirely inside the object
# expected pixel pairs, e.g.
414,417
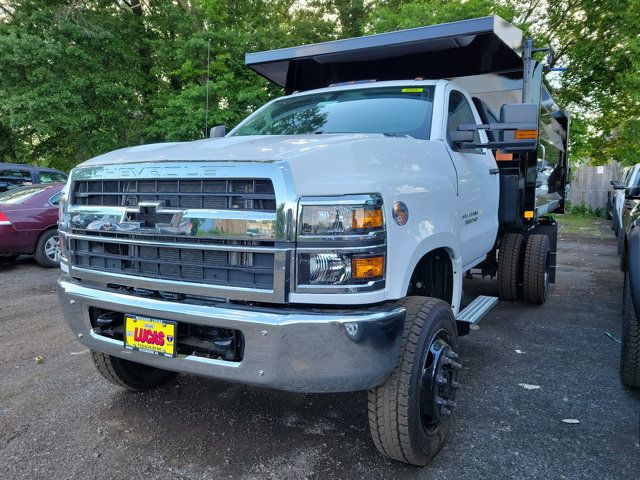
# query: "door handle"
494,171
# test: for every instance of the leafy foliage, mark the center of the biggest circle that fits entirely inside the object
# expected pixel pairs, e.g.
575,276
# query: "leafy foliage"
78,78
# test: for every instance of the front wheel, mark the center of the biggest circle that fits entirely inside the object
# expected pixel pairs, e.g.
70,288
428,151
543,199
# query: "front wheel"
47,251
128,374
409,413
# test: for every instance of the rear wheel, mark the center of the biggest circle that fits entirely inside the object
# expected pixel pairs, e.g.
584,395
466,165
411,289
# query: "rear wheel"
409,413
630,342
536,269
47,251
509,265
131,375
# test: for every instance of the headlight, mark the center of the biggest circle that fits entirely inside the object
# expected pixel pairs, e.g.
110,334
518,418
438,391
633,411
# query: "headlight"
341,242
63,220
63,206
341,219
336,268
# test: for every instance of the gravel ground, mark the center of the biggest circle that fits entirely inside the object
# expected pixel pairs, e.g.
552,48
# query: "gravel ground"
60,419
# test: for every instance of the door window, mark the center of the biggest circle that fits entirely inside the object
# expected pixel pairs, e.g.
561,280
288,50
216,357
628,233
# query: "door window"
14,178
52,177
55,200
460,112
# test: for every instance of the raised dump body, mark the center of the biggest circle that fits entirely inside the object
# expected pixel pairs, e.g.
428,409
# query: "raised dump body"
488,57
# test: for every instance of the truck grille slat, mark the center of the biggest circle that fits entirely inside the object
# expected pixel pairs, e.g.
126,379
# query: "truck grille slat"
233,194
253,270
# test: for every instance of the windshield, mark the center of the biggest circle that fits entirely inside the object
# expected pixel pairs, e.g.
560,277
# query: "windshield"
389,110
19,195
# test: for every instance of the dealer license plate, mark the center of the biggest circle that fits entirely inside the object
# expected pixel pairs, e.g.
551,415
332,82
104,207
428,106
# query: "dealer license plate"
150,335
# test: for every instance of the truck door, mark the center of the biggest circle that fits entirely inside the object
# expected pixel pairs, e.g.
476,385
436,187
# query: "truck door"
478,182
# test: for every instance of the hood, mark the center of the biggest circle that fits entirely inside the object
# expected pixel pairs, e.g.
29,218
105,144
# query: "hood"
327,164
262,148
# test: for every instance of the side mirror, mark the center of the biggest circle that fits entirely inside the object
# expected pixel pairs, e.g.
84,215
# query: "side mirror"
218,131
617,185
516,131
632,193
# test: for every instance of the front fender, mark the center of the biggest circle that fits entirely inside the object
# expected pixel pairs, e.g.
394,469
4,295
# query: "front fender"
449,242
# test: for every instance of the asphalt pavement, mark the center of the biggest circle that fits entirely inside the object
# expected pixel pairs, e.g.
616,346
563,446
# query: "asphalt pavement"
540,398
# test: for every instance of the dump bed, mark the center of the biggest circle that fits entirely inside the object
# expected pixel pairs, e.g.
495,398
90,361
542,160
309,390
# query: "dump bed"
486,56
470,47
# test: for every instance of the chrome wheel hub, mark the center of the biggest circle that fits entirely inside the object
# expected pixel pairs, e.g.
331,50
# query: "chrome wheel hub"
52,248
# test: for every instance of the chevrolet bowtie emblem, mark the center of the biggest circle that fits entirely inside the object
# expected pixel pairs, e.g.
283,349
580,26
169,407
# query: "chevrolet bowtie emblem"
151,213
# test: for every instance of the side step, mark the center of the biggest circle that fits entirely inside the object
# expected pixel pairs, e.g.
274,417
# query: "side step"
477,309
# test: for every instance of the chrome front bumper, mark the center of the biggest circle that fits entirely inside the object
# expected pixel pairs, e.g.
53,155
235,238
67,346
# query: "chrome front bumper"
297,350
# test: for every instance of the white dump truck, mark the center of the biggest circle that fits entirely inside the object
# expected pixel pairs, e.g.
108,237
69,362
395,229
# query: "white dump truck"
321,245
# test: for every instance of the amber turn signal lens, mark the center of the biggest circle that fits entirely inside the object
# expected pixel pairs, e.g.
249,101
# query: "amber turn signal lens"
526,134
366,218
367,267
504,157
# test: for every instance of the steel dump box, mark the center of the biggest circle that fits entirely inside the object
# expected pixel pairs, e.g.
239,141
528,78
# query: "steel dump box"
486,56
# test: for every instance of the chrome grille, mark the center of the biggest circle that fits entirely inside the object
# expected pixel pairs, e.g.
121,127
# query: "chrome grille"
214,194
217,237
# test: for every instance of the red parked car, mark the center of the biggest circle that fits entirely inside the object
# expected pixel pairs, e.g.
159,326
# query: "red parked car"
28,223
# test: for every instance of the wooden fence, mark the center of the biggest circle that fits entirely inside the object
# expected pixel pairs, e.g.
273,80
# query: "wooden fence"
589,185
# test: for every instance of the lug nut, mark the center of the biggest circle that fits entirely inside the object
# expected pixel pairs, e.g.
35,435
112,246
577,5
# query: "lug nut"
440,380
456,365
445,411
451,354
451,404
455,385
439,401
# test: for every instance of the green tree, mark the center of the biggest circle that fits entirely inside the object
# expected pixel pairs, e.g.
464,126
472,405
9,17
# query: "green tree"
78,78
67,90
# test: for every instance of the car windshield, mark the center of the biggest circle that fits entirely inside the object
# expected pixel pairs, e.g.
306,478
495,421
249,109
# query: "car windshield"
19,195
388,110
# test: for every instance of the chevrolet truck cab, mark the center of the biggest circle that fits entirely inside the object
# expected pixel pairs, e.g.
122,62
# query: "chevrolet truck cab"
321,245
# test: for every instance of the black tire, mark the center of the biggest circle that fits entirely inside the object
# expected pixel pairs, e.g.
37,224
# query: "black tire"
630,342
401,427
536,269
509,266
622,251
42,252
131,375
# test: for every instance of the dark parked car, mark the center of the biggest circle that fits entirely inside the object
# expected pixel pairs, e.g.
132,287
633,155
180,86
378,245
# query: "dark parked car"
14,175
630,264
29,223
629,215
